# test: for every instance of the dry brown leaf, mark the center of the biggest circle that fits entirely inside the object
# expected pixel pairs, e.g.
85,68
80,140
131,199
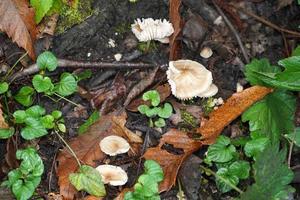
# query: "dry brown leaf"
90,197
218,120
17,20
174,15
87,149
3,124
283,3
164,92
229,111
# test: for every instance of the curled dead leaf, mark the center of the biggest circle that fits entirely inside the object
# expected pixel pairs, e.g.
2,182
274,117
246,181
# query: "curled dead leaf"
3,124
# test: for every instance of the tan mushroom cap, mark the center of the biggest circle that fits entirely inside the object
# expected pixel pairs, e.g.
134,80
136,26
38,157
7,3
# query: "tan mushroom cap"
206,52
188,78
114,145
113,175
211,91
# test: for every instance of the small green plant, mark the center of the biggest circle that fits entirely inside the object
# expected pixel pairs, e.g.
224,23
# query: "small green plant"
154,111
24,180
91,120
147,186
35,122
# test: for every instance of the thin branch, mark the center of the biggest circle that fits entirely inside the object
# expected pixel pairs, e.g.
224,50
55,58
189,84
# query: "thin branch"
264,21
235,33
63,63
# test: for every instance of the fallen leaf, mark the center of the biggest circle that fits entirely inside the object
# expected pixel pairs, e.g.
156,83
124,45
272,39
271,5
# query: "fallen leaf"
53,196
87,149
141,86
174,15
3,124
17,21
48,25
90,197
229,111
168,161
164,92
283,3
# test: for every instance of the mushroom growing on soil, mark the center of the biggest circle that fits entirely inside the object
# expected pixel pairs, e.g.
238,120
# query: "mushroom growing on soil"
190,79
150,29
113,175
114,145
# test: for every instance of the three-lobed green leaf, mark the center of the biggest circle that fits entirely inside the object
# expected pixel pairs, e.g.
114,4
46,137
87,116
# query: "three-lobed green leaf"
221,151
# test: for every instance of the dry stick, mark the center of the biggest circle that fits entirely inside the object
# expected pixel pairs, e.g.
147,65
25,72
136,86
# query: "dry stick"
235,33
264,21
63,63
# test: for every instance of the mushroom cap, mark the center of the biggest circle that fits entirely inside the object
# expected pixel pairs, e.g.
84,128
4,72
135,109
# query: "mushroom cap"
211,91
114,145
206,52
150,29
113,175
188,78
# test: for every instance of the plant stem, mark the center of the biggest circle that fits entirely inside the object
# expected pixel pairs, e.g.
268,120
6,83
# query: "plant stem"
8,73
68,147
223,179
68,100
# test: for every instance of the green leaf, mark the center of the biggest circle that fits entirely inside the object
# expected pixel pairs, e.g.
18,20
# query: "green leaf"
152,112
3,87
271,175
146,185
223,178
35,111
24,96
23,190
20,116
221,151
31,162
160,122
89,180
294,136
56,114
33,129
6,132
256,146
273,116
48,121
143,109
154,169
67,85
61,127
41,7
166,111
153,96
240,169
47,60
42,84
86,74
296,52
91,120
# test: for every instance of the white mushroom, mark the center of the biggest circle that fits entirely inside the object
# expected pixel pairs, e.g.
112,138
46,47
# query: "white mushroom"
206,52
113,175
150,29
190,79
114,145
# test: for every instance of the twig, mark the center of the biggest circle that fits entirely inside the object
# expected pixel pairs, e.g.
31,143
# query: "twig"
63,63
264,21
235,33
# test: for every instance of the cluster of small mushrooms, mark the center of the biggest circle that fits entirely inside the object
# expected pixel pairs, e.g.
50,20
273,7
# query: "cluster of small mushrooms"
187,78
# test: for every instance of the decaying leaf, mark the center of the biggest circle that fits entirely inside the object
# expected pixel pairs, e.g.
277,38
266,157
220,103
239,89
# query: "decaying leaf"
169,161
87,149
3,124
17,21
233,107
283,3
164,92
174,15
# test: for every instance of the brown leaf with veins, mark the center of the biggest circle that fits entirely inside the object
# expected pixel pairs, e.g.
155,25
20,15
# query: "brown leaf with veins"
87,149
17,21
3,124
210,129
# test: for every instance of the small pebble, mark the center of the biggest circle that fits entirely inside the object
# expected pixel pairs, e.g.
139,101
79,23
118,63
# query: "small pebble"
111,43
118,56
218,21
206,52
239,87
89,54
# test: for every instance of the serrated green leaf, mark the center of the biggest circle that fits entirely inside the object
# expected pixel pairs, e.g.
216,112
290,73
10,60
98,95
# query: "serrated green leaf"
166,111
271,175
154,169
160,122
31,162
33,129
256,146
143,109
294,136
42,84
296,52
222,179
6,132
24,96
89,180
153,96
35,111
20,116
56,114
48,121
274,115
152,112
221,151
240,169
3,87
67,85
47,60
91,120
41,7
146,186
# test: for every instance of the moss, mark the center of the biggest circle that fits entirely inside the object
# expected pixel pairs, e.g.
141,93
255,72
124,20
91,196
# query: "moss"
123,28
71,16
